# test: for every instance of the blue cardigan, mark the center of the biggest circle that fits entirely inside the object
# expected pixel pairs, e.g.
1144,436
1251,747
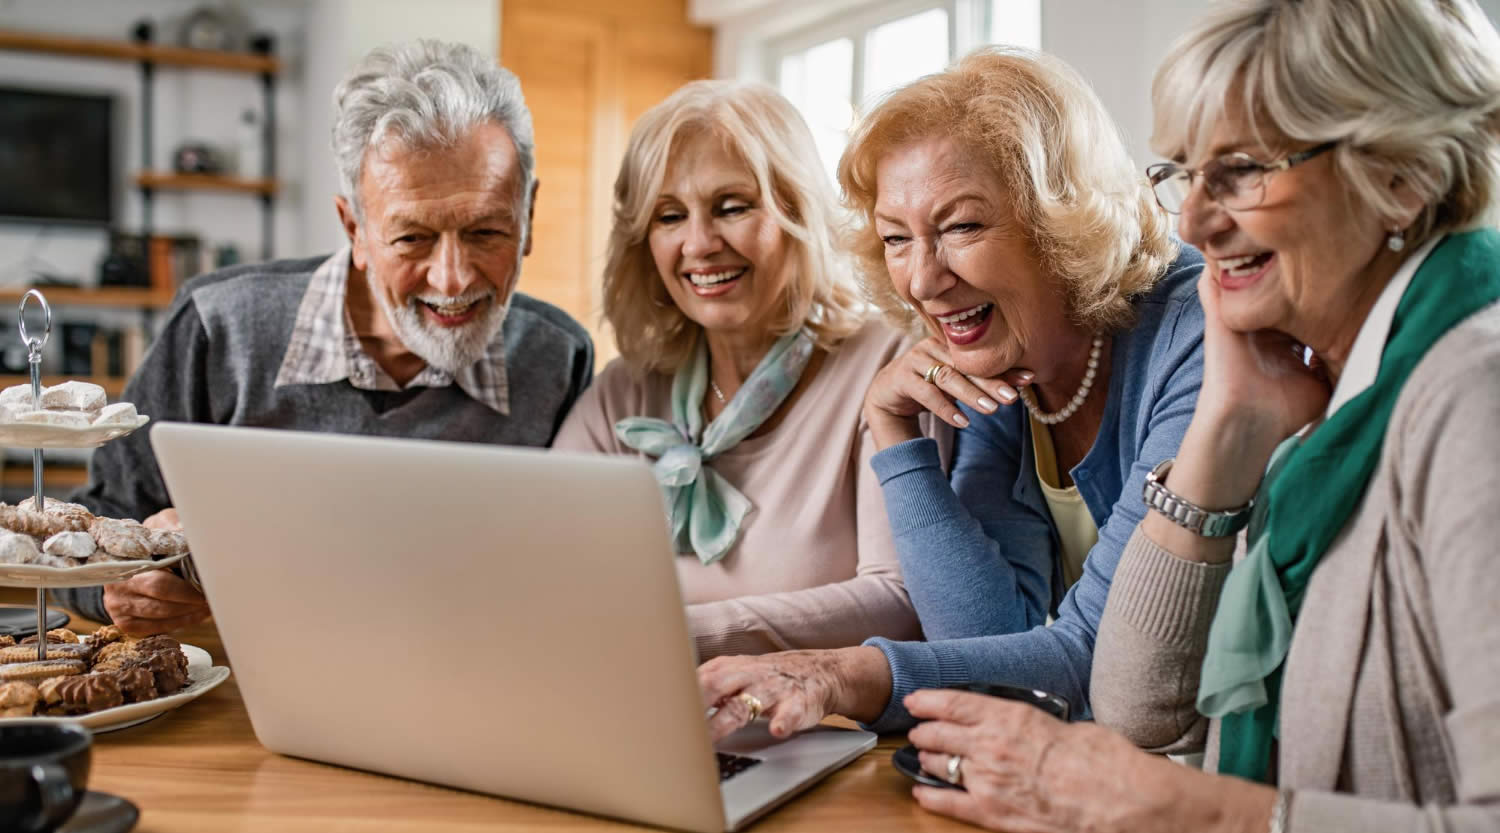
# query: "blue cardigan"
980,554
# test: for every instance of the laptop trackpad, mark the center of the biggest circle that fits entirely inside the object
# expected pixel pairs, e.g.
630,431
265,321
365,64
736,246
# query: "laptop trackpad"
786,766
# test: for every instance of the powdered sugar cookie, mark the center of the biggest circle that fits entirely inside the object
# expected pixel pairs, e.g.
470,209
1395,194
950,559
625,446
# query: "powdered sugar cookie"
18,397
74,396
76,545
65,419
120,413
18,549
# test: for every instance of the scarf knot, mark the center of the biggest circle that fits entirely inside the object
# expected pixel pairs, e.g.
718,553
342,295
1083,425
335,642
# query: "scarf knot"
705,511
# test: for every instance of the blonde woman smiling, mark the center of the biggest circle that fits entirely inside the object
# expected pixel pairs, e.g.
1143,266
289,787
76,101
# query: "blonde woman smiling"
745,355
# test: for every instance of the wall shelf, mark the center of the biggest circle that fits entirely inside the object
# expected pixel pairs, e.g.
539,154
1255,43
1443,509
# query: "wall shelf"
178,56
149,56
204,182
102,296
113,385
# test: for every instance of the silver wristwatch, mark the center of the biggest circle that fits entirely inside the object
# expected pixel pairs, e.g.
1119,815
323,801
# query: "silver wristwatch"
1190,516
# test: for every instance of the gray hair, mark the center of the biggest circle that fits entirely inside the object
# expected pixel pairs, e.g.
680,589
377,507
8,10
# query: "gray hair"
1409,88
426,93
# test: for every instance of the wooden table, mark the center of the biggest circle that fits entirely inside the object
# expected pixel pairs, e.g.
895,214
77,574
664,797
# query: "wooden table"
199,768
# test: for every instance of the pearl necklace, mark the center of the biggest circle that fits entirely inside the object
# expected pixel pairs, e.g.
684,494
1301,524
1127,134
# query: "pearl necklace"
1083,391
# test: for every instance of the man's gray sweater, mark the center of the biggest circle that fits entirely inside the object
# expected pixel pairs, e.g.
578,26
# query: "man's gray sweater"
216,361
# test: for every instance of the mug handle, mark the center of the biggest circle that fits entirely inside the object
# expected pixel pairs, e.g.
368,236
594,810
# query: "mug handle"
56,791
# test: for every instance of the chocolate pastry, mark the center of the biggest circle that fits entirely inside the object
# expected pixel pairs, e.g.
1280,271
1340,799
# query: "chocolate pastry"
81,694
55,650
36,671
106,635
56,635
115,650
123,539
18,699
163,657
137,684
75,517
168,542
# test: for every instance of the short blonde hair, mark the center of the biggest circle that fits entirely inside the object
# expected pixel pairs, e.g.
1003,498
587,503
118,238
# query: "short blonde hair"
1088,210
1408,88
761,127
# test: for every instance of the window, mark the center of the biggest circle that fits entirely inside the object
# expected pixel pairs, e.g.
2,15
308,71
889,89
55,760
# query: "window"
835,70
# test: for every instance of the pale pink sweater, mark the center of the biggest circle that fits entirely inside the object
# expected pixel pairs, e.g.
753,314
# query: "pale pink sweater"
815,566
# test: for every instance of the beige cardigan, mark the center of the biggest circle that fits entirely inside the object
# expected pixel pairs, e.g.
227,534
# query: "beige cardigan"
1390,710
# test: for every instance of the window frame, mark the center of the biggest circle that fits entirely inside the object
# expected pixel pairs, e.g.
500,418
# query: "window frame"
968,27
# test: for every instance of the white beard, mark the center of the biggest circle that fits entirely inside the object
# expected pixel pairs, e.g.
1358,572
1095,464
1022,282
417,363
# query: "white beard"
449,349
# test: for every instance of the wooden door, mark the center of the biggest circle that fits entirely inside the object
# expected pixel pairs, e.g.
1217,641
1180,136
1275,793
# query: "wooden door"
589,69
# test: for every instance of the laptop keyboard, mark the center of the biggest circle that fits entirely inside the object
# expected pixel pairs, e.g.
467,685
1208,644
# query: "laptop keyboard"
732,765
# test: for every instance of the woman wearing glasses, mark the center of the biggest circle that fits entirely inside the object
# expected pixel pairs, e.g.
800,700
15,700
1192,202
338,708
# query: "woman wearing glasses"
1002,216
1336,163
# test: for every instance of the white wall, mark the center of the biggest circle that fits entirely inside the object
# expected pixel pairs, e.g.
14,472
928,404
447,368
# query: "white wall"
344,31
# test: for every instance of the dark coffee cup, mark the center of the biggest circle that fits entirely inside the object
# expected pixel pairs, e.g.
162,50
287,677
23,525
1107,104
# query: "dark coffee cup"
1053,704
905,759
44,773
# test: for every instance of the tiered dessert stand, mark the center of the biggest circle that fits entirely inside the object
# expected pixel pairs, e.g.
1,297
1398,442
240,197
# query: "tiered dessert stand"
40,436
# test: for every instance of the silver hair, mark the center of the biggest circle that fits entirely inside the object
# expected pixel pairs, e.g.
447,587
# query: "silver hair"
1409,88
426,94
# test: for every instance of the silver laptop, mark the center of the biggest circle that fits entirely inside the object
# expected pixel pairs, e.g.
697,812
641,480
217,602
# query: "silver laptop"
500,620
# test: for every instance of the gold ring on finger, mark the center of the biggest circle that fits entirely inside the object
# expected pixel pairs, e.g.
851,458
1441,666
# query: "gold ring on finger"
752,703
931,375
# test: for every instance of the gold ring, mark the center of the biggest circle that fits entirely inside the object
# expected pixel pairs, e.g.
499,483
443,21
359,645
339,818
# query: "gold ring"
752,703
955,776
931,375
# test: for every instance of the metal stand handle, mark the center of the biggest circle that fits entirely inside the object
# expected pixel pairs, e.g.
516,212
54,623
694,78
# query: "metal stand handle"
34,347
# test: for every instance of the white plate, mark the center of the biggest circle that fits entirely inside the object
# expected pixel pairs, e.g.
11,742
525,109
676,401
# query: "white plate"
35,435
88,575
203,676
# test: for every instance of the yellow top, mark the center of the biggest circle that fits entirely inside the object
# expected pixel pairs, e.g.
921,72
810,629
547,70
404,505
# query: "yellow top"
1075,526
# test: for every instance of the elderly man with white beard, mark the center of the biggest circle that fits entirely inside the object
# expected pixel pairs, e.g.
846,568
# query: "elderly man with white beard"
411,330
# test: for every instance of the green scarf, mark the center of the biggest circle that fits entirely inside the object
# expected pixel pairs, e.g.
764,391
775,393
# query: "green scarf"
1311,488
705,510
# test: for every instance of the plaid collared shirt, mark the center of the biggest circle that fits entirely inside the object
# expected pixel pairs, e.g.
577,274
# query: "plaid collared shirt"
325,349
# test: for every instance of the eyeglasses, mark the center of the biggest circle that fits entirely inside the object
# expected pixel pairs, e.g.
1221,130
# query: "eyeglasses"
1236,181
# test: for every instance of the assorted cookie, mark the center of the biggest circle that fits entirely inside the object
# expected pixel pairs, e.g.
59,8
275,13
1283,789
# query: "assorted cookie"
70,404
69,535
81,676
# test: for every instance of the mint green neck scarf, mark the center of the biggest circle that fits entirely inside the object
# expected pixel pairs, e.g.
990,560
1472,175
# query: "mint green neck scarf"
703,509
1311,488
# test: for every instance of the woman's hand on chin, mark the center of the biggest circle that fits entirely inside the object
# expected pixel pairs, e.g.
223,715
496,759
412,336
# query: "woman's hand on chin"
794,690
1257,385
901,391
1257,391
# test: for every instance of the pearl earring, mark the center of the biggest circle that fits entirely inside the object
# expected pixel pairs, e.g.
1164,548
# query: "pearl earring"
1396,241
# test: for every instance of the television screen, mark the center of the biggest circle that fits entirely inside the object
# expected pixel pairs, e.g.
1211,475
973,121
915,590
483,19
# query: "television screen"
55,163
